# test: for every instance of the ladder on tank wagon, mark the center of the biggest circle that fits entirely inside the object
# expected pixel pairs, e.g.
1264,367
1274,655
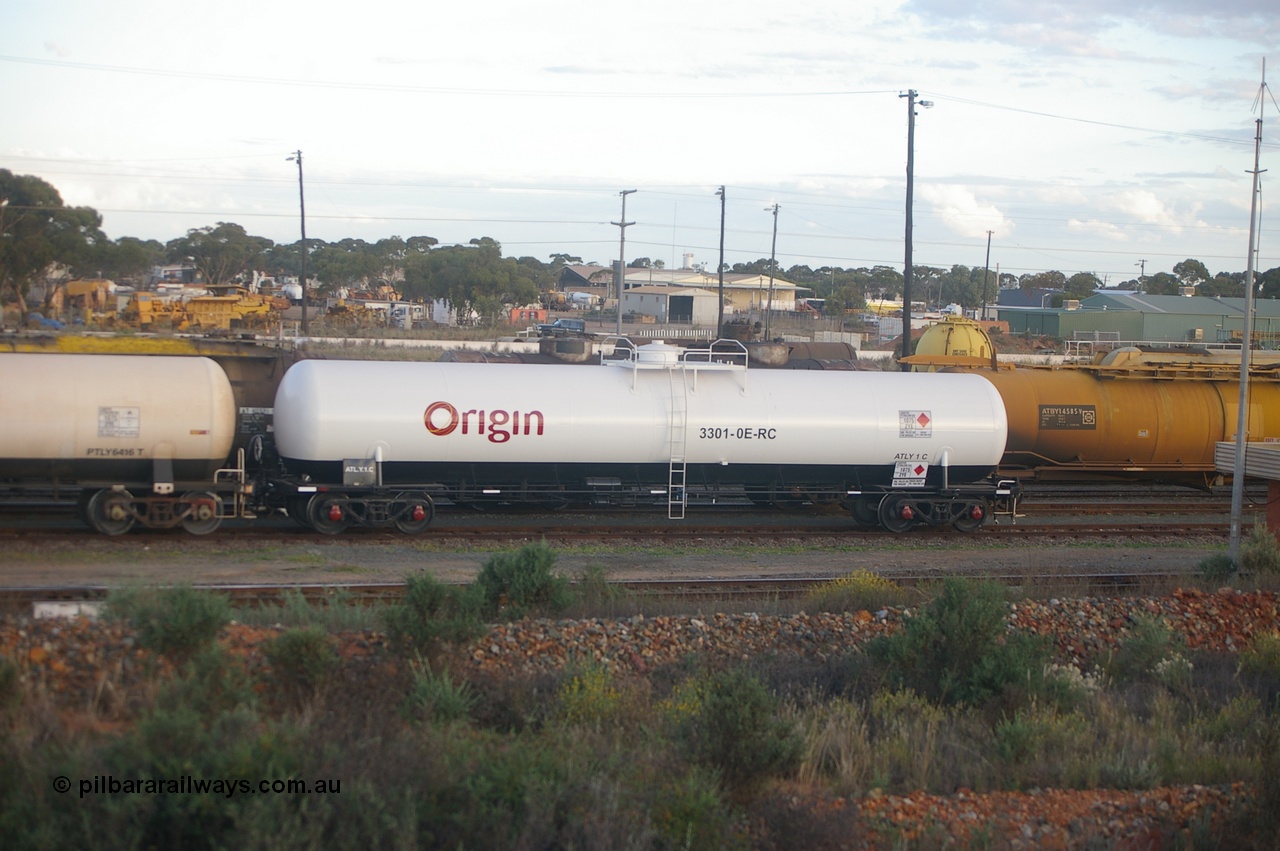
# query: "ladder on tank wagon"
677,496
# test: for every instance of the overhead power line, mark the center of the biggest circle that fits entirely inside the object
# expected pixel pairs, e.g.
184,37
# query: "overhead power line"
433,90
1077,119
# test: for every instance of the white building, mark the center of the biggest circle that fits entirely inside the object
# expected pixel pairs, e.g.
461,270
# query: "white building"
673,305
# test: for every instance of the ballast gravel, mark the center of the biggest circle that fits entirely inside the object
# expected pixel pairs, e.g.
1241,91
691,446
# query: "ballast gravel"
79,662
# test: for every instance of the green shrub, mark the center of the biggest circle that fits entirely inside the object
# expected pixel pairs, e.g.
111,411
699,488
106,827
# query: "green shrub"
436,696
433,612
1231,720
209,683
10,685
734,730
1068,688
1262,656
689,811
905,730
173,621
1260,552
230,746
594,591
1127,770
335,611
1152,651
959,650
838,747
589,696
1269,782
858,591
514,585
302,660
1218,567
497,789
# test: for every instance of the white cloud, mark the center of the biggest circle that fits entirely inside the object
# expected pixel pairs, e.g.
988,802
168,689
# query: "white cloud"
962,213
1100,230
423,118
1146,207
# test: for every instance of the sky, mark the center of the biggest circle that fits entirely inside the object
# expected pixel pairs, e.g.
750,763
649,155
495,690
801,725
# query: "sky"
1084,136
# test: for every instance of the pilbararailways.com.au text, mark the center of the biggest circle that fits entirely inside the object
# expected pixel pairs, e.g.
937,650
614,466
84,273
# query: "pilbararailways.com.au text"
107,784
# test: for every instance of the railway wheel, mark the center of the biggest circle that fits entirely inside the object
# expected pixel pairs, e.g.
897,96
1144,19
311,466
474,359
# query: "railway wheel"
327,514
864,512
973,516
896,513
414,512
204,512
110,512
296,508
82,505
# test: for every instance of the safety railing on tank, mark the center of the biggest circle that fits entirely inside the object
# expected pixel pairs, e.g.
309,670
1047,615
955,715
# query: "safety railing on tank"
719,354
1084,351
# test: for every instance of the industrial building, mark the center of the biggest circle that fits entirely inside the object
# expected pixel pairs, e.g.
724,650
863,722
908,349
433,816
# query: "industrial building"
1155,318
743,293
687,305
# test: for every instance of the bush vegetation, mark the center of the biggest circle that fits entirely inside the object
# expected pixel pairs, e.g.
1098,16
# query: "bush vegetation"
175,621
704,753
1259,557
432,612
516,585
1260,552
860,590
959,650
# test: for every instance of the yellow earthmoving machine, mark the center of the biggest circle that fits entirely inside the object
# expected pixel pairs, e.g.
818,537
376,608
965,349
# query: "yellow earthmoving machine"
231,306
87,299
153,312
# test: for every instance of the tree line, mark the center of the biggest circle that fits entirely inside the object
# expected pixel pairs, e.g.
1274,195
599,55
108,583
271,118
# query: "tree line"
37,230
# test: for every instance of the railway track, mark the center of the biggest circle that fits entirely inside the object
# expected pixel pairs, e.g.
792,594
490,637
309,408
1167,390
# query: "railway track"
697,589
795,550
1093,529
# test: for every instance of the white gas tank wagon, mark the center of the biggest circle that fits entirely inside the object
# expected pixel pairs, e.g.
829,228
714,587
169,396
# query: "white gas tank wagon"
371,442
143,438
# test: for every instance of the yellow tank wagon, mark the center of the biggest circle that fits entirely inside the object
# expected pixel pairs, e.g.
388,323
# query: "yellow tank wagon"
1150,412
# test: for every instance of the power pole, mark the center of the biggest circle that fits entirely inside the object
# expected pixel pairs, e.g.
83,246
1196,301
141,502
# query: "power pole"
1142,272
908,346
986,271
622,256
302,209
773,251
720,268
1242,406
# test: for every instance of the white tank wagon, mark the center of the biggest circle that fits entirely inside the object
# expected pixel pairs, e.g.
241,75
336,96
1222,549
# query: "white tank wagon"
145,439
897,448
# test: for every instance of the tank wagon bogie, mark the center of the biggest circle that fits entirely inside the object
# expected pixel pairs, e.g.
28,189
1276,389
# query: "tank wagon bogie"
373,443
145,440
333,511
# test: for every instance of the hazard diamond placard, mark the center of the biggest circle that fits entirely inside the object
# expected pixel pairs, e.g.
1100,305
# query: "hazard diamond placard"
915,424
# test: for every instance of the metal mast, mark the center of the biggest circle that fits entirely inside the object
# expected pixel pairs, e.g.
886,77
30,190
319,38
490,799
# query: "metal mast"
773,252
302,209
986,272
907,343
720,268
1242,414
622,247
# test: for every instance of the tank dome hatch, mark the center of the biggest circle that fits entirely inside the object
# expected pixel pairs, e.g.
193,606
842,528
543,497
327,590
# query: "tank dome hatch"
955,341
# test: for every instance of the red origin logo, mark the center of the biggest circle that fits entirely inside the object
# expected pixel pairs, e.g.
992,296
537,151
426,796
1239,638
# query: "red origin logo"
442,418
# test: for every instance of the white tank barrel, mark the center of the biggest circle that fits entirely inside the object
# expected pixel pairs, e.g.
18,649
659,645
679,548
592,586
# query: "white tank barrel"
493,414
112,416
